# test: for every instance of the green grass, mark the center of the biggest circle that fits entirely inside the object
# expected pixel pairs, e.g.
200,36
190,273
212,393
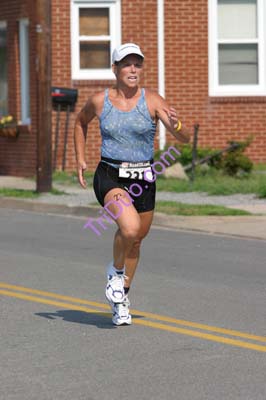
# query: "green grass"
21,193
70,178
215,183
212,182
262,192
174,208
25,194
57,192
260,167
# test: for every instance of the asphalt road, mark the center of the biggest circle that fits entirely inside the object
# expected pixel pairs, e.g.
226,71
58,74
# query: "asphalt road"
198,304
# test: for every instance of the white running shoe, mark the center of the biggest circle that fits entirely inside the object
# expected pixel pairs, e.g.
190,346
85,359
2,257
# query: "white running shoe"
121,314
114,291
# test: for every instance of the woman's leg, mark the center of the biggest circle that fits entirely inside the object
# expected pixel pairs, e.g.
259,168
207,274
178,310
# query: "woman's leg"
129,224
131,230
132,256
128,221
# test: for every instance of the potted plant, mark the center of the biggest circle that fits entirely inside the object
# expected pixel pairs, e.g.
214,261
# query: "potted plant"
8,127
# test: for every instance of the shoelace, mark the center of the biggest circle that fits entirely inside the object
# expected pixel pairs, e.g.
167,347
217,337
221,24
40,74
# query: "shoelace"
117,280
113,278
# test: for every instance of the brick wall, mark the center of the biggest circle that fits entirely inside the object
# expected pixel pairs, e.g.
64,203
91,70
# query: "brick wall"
220,119
140,30
186,47
17,156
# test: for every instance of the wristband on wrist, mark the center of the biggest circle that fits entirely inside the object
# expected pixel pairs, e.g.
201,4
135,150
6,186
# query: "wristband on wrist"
179,126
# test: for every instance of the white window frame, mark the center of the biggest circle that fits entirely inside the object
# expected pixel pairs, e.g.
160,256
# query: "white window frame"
24,71
114,37
3,25
215,89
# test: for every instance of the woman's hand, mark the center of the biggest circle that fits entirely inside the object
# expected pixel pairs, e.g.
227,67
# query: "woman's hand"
172,116
159,109
181,134
81,169
80,132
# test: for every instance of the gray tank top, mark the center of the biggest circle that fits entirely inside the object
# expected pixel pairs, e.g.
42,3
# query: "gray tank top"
127,135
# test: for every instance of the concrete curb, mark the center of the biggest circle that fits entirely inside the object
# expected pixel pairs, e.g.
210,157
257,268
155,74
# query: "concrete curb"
31,205
251,227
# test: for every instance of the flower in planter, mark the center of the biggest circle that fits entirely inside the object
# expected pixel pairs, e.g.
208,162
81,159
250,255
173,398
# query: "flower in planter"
7,121
8,127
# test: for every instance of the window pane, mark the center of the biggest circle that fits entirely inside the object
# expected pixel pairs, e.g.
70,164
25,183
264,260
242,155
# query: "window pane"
24,71
238,64
93,21
95,55
237,19
3,72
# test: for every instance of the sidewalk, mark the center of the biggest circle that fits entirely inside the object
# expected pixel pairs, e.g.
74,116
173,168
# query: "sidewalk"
78,201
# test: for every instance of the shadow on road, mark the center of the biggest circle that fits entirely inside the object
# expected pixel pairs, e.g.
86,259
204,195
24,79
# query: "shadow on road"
100,319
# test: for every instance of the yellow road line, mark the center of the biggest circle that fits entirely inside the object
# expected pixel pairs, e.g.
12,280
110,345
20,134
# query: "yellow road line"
54,295
202,326
50,302
156,317
202,335
151,324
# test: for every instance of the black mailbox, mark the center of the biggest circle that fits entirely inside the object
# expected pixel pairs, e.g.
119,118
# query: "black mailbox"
64,96
63,99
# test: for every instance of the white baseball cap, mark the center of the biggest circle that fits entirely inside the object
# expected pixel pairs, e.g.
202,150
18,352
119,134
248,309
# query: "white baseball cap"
124,50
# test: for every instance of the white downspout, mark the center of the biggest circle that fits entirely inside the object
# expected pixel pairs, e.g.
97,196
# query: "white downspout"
161,64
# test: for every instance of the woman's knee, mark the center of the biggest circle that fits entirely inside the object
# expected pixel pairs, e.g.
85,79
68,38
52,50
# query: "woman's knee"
129,223
135,232
130,232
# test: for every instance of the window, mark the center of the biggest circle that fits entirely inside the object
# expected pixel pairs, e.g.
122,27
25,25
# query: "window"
237,47
24,70
3,69
95,32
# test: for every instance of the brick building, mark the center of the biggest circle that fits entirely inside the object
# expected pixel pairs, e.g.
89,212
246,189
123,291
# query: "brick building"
207,57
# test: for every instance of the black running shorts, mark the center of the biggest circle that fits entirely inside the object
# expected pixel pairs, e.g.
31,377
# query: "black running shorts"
142,192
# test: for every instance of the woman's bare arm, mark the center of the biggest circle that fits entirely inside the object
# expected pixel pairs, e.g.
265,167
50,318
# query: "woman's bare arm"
80,133
168,115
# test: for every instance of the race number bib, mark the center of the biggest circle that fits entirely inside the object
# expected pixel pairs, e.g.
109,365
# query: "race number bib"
135,170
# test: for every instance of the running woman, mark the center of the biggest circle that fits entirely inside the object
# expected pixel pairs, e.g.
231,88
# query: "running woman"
128,115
